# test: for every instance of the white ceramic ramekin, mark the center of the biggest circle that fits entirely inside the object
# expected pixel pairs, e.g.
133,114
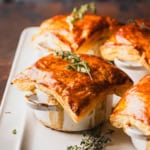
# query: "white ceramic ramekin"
54,116
140,141
135,70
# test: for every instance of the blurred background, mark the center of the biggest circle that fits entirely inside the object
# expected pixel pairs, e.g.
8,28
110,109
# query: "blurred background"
121,1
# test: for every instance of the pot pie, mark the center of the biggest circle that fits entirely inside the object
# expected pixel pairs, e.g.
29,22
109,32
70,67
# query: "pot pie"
75,91
87,35
129,42
133,108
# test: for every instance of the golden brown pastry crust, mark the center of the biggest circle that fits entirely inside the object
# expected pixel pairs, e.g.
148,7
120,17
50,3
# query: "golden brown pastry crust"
129,42
75,91
90,26
134,108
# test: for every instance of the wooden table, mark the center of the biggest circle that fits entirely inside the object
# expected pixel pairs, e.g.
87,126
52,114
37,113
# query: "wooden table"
14,17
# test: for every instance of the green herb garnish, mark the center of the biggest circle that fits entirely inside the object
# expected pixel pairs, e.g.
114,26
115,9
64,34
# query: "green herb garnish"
142,25
76,62
79,13
14,131
93,140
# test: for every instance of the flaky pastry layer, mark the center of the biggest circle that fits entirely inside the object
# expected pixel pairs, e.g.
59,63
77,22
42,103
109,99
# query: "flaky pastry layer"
76,92
55,34
129,42
133,108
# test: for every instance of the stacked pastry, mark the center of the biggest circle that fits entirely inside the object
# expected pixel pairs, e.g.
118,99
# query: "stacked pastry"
78,90
129,48
133,115
129,42
79,32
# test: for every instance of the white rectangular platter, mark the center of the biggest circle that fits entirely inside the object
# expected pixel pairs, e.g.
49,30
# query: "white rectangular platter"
31,134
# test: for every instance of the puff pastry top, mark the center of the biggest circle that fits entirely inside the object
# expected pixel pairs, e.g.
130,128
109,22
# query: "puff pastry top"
55,34
129,42
75,91
134,108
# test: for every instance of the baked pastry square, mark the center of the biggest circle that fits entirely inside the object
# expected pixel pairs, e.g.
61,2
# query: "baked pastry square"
87,34
76,92
129,42
133,108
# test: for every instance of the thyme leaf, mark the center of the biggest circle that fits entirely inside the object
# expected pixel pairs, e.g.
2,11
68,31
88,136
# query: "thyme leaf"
93,140
78,14
14,131
142,25
76,62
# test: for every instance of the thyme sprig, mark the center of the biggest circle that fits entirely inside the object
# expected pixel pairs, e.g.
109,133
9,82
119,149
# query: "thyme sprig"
78,14
76,62
142,25
93,140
